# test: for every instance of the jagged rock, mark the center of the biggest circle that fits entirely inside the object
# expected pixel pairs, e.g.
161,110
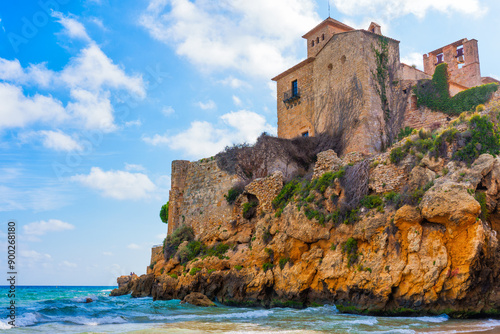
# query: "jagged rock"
198,299
125,285
449,203
421,176
296,225
436,165
143,286
88,300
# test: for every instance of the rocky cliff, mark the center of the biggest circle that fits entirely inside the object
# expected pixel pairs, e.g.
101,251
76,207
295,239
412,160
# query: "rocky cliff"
409,231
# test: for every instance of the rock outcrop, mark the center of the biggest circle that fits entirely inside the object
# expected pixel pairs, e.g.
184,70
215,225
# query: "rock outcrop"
198,299
424,242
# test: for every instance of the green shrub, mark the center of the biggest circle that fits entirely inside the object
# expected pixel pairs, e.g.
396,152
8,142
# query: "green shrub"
405,132
286,194
350,248
483,139
164,213
249,209
233,193
194,271
174,276
397,154
152,265
209,271
283,262
267,266
238,267
178,236
481,198
333,247
371,201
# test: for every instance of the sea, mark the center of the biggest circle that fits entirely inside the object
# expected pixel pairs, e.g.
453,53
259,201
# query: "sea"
62,309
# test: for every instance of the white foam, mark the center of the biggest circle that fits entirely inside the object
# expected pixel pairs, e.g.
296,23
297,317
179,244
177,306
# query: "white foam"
365,321
239,315
4,324
26,319
80,320
437,319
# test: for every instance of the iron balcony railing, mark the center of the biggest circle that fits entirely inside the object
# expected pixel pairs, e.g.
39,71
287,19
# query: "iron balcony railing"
291,95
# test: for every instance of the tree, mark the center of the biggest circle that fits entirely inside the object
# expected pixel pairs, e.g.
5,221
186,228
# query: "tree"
164,213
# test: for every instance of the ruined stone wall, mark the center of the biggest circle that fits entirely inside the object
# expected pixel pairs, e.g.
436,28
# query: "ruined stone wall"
266,189
294,117
425,118
462,70
197,194
414,74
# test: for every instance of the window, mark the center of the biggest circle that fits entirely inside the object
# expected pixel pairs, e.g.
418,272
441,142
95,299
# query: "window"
312,43
317,40
323,37
295,88
439,58
305,134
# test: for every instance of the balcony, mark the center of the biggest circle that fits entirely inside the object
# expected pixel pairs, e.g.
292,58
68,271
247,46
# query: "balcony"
291,95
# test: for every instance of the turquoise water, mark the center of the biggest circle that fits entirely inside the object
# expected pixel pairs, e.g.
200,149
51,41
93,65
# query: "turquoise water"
63,310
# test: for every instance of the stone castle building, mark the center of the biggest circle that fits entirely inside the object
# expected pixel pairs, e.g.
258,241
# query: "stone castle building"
336,88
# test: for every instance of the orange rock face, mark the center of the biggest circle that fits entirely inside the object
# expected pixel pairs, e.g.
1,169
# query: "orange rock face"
434,256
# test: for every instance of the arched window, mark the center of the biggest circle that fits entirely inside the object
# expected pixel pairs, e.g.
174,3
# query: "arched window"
317,40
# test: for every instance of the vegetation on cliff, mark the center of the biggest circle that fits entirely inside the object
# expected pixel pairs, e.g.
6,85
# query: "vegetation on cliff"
164,213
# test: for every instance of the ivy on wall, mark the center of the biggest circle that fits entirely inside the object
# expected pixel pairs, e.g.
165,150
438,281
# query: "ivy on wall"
381,74
435,94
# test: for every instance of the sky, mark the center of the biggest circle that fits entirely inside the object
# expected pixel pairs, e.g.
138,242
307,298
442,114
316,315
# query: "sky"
97,97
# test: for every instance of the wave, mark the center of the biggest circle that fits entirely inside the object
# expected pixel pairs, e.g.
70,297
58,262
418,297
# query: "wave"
436,319
94,321
238,315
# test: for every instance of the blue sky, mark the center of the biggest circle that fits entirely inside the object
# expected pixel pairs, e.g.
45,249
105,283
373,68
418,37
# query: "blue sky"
98,97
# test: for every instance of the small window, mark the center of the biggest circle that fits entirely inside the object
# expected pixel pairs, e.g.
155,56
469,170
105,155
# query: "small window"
317,40
323,37
295,88
305,134
439,59
312,43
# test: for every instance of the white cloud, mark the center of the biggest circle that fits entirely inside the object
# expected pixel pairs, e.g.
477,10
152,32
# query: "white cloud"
117,184
133,246
204,139
42,198
134,168
68,264
136,122
236,100
234,83
107,253
92,110
391,9
56,140
168,110
17,110
209,105
257,38
93,70
74,29
89,77
42,227
414,58
34,255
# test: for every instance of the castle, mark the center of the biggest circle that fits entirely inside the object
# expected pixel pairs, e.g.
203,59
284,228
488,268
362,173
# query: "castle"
337,88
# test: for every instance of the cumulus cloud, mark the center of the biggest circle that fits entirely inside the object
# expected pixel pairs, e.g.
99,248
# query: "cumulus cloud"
117,184
134,168
257,38
42,227
18,110
204,139
414,58
55,140
390,9
73,28
89,77
234,82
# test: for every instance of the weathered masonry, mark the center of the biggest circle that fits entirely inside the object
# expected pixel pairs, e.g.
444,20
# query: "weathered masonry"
341,62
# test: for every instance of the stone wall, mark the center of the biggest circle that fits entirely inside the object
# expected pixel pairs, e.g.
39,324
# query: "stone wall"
197,194
386,177
327,161
266,189
425,118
